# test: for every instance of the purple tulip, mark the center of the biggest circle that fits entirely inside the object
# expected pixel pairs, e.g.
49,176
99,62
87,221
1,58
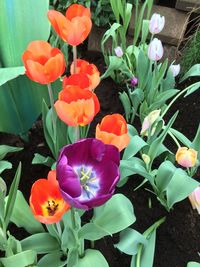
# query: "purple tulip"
175,69
155,50
156,23
134,81
87,173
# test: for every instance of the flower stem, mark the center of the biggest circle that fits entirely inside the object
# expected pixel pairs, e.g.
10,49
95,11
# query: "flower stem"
59,229
174,138
52,104
77,133
147,234
73,219
75,58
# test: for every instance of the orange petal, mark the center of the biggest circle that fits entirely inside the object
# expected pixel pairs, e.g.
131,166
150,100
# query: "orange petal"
77,10
79,79
35,71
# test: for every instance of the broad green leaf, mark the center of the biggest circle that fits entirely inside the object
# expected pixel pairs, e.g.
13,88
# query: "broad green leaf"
193,264
41,243
107,216
25,258
135,145
196,141
39,159
181,137
91,231
21,22
72,257
92,258
4,164
180,186
12,195
3,187
164,175
5,149
23,217
148,252
7,74
193,71
56,259
129,241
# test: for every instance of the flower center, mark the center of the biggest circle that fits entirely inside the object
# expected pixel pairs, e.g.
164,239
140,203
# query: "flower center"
51,207
88,180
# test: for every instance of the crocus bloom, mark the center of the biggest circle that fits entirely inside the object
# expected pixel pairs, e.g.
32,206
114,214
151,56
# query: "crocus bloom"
76,106
155,50
79,79
118,51
156,23
113,130
194,198
186,157
75,26
46,201
134,81
44,64
84,67
175,69
149,120
88,172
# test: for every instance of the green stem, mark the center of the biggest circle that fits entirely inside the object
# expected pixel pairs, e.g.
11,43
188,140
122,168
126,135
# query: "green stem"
73,219
174,139
52,104
147,234
75,58
77,133
59,228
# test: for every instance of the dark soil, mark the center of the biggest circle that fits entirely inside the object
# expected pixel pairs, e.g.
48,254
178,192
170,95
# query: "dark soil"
178,238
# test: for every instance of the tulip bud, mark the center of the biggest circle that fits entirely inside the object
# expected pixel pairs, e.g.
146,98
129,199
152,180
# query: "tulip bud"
146,159
156,23
186,157
134,81
175,69
118,51
148,121
155,50
194,198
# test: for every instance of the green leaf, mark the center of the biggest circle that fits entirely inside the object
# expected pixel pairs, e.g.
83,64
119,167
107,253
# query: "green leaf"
193,71
4,150
4,164
21,22
196,142
164,175
39,159
181,137
92,258
25,258
193,264
41,243
135,145
7,74
107,216
53,260
23,217
72,257
148,252
91,231
192,88
180,186
129,241
12,195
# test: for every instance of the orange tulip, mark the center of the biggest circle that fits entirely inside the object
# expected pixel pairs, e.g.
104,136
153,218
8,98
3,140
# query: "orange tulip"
80,80
186,157
44,64
46,201
76,106
75,26
113,130
82,66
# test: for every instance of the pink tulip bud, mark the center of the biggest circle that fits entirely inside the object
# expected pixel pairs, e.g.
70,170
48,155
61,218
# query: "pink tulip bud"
186,157
194,198
118,51
134,81
155,50
175,69
156,23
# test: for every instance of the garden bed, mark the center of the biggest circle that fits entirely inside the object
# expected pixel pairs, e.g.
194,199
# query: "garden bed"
178,238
